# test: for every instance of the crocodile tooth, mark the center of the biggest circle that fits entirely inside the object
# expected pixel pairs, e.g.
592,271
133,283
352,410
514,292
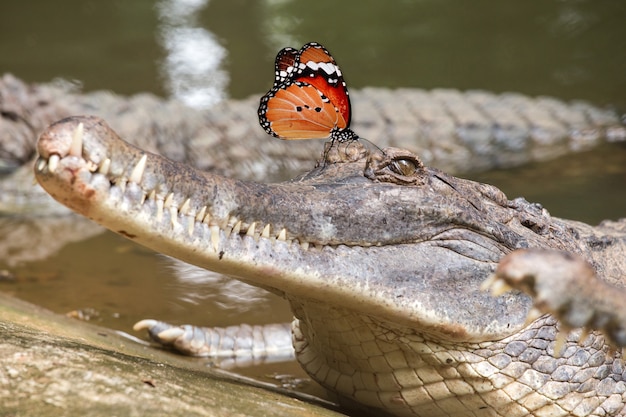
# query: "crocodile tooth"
237,228
174,216
201,214
184,209
137,173
152,195
159,215
230,224
105,167
251,229
41,164
207,218
121,182
76,147
169,199
53,163
91,166
215,236
304,245
143,198
191,223
266,231
283,234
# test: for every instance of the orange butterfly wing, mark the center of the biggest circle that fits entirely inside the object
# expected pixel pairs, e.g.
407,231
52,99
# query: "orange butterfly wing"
285,65
299,112
322,71
309,99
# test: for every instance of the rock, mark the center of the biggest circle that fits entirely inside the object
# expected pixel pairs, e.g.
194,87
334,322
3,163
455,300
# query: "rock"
51,365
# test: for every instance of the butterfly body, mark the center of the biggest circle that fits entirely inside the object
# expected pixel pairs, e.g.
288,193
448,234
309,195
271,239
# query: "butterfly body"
309,99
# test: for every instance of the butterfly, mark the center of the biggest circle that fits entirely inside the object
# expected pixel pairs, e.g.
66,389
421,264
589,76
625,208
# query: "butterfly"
309,99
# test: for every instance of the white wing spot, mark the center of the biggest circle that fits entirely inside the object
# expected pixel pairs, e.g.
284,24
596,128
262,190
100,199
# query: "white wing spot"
327,67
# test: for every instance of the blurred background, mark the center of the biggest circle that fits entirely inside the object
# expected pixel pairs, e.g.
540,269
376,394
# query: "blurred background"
570,49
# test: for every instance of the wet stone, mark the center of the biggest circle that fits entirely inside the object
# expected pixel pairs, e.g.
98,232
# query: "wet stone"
52,366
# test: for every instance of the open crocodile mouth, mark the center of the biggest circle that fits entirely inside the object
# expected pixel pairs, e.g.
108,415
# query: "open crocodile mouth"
215,222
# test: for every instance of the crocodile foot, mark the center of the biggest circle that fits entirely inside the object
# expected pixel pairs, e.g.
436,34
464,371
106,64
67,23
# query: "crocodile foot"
567,287
241,345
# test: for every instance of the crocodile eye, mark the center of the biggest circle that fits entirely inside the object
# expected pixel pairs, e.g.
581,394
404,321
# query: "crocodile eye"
405,167
396,166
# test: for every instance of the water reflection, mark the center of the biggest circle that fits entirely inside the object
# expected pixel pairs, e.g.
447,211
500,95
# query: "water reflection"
200,287
28,239
280,28
571,21
192,66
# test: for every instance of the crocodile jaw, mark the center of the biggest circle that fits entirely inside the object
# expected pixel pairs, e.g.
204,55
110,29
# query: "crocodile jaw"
252,232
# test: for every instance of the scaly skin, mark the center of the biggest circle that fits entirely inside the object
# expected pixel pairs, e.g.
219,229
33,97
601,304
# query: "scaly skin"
382,260
453,130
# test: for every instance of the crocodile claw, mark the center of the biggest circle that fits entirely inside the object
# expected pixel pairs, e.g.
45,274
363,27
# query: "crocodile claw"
244,343
567,287
183,339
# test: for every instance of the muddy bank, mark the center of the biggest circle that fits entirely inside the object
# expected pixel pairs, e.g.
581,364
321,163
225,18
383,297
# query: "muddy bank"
51,365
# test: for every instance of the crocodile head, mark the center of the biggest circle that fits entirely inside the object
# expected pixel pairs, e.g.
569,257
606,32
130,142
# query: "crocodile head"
373,231
370,240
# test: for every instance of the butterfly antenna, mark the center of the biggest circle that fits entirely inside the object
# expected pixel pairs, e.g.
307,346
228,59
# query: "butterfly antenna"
371,144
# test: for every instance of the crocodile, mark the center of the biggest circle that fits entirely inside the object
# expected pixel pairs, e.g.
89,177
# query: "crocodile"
382,260
453,130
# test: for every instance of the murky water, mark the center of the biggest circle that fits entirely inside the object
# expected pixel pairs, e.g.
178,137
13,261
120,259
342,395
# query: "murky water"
569,49
204,51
